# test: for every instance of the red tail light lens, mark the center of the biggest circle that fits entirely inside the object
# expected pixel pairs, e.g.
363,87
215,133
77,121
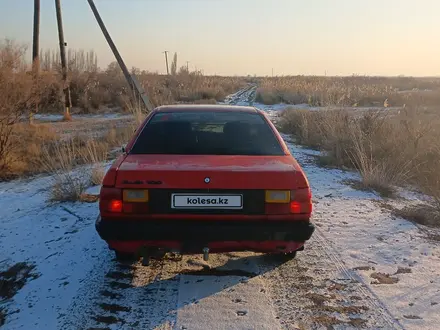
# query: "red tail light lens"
301,201
115,206
135,208
110,200
295,207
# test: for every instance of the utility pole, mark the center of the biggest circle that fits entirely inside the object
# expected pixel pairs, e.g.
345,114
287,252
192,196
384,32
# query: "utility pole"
187,66
166,61
36,35
36,51
66,89
131,79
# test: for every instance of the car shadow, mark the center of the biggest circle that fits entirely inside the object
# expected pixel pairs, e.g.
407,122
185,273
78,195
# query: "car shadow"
158,302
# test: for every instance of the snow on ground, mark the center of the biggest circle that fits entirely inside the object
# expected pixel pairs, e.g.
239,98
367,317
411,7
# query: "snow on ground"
59,117
391,256
59,239
362,268
242,301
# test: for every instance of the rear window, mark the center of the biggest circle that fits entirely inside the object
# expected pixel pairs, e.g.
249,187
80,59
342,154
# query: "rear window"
207,133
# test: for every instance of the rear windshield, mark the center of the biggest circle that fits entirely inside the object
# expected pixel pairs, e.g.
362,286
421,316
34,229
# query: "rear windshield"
207,133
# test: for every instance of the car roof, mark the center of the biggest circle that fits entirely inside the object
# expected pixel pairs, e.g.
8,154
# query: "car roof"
205,107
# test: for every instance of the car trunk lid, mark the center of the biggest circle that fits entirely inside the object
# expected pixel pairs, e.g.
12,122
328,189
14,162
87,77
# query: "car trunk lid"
209,172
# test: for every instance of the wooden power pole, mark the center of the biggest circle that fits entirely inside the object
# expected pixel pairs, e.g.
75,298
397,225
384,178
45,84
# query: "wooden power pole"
131,78
35,51
36,35
66,89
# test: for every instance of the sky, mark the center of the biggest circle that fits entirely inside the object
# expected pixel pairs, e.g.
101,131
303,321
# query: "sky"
241,37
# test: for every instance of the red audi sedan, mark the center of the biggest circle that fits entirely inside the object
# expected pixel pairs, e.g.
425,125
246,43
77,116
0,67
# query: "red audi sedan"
205,179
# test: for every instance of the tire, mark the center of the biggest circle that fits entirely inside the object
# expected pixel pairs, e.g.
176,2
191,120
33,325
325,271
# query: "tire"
125,256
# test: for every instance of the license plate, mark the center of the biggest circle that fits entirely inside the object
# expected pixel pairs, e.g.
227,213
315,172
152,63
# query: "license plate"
197,201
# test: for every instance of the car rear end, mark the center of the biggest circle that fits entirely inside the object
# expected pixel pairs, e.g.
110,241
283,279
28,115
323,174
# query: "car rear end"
203,178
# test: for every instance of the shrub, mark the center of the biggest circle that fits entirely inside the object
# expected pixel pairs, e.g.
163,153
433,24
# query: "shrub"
349,91
97,175
387,148
59,160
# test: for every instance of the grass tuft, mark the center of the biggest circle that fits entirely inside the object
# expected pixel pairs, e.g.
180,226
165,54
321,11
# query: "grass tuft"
388,149
422,214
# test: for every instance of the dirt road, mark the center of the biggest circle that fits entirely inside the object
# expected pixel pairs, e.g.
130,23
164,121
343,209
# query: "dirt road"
231,291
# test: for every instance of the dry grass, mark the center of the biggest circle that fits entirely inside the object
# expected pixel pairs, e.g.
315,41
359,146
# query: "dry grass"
382,278
92,151
137,110
349,91
387,148
24,147
97,175
60,159
93,88
32,145
423,214
68,187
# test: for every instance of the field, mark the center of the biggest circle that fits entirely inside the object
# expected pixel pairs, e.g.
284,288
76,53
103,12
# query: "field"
392,142
369,147
28,135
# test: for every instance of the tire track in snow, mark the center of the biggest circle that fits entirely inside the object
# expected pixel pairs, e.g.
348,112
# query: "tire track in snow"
364,289
311,292
234,297
326,252
245,96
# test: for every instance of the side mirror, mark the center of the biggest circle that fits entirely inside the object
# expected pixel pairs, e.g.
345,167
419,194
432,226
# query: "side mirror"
123,148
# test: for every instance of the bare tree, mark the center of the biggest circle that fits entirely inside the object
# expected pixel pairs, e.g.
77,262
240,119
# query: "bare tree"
174,65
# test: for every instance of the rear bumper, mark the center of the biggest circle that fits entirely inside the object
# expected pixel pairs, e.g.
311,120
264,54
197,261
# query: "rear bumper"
204,232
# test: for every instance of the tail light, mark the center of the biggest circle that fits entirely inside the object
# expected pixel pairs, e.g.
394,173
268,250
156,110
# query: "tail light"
110,200
115,206
297,201
135,195
277,196
135,200
301,201
115,200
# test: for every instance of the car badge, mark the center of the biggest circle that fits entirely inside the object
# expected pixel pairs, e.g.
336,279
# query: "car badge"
207,180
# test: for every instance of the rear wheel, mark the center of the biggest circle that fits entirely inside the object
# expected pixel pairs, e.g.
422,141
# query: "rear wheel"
125,256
